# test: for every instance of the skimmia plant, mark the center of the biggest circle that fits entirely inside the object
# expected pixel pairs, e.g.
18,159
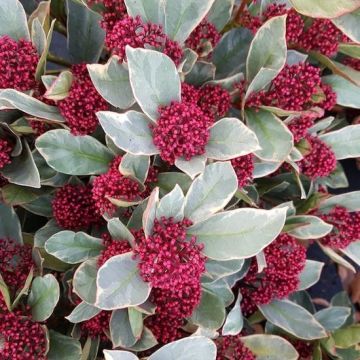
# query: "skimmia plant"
161,184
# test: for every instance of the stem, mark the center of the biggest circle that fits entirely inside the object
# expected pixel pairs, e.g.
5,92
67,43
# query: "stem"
240,10
58,60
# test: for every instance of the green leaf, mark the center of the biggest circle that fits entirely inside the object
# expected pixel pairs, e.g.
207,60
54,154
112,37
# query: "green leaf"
83,312
73,155
350,336
230,54
43,297
149,214
168,180
136,321
119,231
22,170
324,8
310,275
211,191
13,20
84,281
59,89
73,248
172,205
149,10
345,143
230,138
333,317
190,348
63,347
38,36
310,227
234,321
334,256
182,17
238,234
349,25
191,167
220,269
188,61
10,227
201,73
154,79
4,291
270,347
13,99
275,139
119,284
353,251
146,342
17,195
119,355
136,166
347,93
294,319
263,168
350,200
267,50
129,131
220,13
352,50
120,329
112,82
85,35
41,206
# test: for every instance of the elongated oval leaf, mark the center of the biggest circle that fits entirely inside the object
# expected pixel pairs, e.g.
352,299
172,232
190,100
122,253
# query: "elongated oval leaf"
84,281
149,10
10,227
238,234
190,348
119,231
294,319
191,167
333,317
129,131
112,82
73,155
310,227
345,143
220,13
63,347
230,138
310,274
350,200
83,312
119,355
120,329
73,248
13,20
270,347
267,50
211,191
353,252
154,79
348,24
275,139
43,297
172,205
119,284
135,165
234,321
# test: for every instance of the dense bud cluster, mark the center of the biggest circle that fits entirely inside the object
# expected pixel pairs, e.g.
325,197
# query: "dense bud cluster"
114,10
112,248
96,326
79,108
346,227
18,62
320,161
133,32
299,127
15,262
285,259
244,168
232,348
354,63
5,152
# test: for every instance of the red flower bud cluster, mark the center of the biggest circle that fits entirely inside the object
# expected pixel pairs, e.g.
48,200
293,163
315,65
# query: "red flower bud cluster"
112,248
346,227
244,168
133,32
79,108
96,326
15,263
285,259
114,10
18,62
320,161
299,126
74,208
232,348
354,63
5,152
205,32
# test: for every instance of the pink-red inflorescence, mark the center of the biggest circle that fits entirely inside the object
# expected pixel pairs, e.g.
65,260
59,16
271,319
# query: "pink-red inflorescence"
322,36
96,326
182,130
346,227
114,10
299,126
295,88
112,248
354,63
204,33
5,152
232,348
114,185
15,263
173,266
18,62
320,161
79,108
285,259
74,208
244,168
133,32
21,338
